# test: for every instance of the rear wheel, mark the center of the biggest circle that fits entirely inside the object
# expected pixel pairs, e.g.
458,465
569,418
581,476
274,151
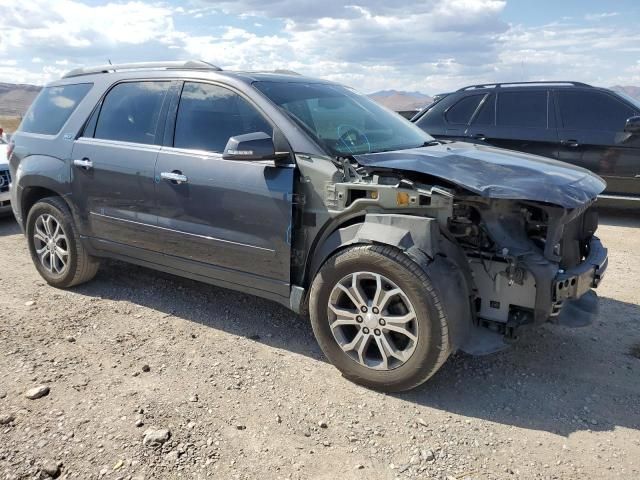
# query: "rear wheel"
55,246
378,319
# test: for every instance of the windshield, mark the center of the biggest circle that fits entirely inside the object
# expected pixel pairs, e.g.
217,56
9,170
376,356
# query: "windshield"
341,120
634,101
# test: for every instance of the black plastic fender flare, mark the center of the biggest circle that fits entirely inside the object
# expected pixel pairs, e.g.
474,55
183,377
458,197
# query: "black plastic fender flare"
420,239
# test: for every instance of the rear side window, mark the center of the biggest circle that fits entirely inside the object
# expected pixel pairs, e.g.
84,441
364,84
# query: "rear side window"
131,112
522,109
208,115
593,111
461,112
487,114
53,107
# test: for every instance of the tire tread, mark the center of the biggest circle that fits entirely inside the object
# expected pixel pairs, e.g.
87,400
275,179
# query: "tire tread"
385,253
86,265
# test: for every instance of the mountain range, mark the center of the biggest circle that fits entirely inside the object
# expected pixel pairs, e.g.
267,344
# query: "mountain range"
401,101
16,98
631,91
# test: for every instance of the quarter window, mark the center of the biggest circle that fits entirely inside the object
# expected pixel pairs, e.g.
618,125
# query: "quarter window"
209,115
522,109
461,112
592,111
487,114
53,107
131,112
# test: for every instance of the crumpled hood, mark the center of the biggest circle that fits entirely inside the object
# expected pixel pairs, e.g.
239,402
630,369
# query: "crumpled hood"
495,173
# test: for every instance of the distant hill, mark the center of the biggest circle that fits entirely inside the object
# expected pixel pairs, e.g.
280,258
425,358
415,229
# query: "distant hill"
401,101
16,98
629,90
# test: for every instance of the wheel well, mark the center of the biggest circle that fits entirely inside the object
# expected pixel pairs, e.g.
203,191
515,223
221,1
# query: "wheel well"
317,247
32,196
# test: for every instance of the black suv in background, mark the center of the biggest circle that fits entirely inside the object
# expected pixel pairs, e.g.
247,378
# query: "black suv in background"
594,128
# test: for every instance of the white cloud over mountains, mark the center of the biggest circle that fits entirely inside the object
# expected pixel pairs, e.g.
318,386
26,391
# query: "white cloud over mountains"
433,46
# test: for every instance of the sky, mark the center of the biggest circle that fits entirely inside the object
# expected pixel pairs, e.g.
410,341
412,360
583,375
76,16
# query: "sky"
428,46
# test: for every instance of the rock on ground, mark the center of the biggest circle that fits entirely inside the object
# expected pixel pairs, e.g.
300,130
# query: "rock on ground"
156,437
37,392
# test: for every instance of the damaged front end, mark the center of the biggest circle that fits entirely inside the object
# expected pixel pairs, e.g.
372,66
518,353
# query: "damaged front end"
527,260
530,262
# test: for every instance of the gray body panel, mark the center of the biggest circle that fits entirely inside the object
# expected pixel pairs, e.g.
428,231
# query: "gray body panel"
233,214
116,196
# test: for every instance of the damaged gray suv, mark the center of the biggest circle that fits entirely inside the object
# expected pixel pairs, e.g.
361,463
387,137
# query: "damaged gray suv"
401,249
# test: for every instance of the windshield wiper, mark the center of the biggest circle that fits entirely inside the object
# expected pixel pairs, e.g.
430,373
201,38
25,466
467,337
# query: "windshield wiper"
430,143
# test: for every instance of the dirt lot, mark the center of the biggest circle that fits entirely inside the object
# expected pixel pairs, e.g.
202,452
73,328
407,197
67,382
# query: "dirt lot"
9,124
245,392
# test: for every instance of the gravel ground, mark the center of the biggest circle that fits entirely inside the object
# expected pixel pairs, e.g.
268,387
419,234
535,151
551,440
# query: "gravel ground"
144,375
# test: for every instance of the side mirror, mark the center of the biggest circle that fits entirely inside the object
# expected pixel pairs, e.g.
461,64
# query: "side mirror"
250,146
633,125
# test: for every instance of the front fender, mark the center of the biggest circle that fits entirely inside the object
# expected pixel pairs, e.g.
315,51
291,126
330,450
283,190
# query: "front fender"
417,236
420,239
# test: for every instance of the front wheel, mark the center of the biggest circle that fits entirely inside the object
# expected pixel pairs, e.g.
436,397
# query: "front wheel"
378,318
55,246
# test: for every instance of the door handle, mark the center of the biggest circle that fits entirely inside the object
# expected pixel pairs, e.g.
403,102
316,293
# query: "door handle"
480,136
570,143
84,163
175,176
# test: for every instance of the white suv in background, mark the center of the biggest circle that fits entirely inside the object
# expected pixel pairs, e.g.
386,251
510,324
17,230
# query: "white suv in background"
5,178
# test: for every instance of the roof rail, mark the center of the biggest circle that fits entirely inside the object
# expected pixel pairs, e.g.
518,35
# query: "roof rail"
179,65
543,82
284,71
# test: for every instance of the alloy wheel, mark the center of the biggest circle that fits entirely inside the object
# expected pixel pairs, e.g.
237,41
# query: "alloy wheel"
51,244
373,320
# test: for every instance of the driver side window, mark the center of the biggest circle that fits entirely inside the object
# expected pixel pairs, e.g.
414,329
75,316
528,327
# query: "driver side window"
208,115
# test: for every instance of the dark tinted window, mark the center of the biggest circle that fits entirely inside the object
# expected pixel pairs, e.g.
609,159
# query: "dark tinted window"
461,112
592,111
487,113
522,109
131,112
53,107
90,126
209,115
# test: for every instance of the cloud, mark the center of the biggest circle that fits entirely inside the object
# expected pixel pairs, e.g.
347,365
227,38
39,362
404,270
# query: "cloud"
304,12
63,29
431,46
373,43
599,16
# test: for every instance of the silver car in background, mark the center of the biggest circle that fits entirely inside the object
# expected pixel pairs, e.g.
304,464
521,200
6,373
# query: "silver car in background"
5,178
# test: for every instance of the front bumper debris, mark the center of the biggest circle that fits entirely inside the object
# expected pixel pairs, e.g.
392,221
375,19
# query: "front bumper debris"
575,282
576,304
580,312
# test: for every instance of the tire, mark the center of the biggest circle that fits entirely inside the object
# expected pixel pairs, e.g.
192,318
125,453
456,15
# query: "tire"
58,270
421,358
